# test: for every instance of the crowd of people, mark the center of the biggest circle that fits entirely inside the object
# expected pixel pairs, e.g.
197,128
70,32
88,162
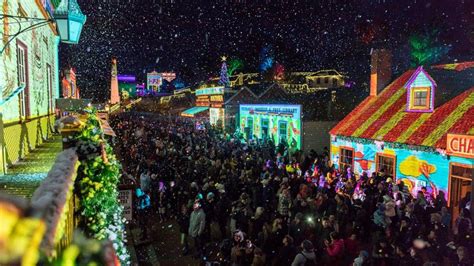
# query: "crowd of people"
265,206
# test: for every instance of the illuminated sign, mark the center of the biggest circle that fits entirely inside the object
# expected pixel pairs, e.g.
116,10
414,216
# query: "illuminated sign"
293,111
217,98
154,80
280,123
460,145
203,101
210,91
168,76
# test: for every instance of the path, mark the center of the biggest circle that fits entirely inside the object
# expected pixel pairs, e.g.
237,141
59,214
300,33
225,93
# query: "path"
25,176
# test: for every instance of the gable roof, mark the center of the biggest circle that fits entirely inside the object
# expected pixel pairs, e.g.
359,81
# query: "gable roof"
384,117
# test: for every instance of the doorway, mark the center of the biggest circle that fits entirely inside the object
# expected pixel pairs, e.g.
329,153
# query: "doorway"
460,176
250,127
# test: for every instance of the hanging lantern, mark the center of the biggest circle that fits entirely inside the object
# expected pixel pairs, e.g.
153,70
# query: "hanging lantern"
69,20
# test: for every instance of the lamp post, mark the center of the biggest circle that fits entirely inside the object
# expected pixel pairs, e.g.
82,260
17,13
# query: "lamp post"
68,18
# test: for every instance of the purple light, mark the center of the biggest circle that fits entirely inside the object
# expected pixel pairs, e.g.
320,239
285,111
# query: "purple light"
126,78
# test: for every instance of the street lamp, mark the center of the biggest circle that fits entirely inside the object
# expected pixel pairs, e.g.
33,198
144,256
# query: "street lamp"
68,18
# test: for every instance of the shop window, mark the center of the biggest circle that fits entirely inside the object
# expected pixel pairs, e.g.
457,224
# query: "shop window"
326,80
386,163
346,158
22,72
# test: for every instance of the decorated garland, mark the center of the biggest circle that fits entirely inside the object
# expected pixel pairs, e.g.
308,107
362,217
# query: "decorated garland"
98,176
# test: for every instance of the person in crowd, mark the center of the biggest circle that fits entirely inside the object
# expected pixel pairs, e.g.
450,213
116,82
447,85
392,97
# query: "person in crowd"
145,181
306,256
362,259
335,249
183,222
287,252
143,207
197,224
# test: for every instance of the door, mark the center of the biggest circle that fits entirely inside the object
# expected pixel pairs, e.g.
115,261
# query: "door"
264,126
282,131
461,184
250,127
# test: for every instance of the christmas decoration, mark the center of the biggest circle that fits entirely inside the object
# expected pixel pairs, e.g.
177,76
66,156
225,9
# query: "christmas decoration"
234,65
425,50
98,176
224,79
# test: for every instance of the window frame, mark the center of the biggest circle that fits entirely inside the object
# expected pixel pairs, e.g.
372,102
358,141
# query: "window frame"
49,80
340,157
24,96
413,92
394,166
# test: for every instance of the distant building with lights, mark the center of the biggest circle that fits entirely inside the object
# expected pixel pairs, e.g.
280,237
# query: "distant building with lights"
69,85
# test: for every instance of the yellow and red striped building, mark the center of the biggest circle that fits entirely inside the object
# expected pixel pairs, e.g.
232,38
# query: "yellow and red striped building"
404,131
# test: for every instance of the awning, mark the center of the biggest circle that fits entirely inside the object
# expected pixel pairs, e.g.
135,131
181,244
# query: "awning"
192,111
104,124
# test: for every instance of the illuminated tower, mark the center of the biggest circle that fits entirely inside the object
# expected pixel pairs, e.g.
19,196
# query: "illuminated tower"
114,91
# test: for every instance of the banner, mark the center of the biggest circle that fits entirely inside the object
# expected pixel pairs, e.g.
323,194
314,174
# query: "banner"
460,145
125,199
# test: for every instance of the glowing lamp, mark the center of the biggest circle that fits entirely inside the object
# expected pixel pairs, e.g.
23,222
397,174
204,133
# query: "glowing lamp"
69,20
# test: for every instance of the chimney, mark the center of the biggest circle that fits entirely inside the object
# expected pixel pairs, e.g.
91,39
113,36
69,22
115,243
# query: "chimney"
380,70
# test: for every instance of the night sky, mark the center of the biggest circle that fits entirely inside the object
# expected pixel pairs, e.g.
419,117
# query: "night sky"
189,37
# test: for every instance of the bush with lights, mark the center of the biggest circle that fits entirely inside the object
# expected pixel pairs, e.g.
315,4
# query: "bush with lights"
96,187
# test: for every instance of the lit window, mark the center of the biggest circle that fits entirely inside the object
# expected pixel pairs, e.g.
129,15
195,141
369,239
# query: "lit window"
387,164
346,158
420,98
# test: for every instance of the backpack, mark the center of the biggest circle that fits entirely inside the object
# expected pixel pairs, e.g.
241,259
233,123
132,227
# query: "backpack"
143,202
308,262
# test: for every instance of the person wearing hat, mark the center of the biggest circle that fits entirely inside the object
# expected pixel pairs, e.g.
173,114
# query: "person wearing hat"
361,259
306,256
197,224
297,228
143,207
209,208
389,206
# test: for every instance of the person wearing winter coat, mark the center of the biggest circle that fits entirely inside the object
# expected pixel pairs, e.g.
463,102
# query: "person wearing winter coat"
183,222
335,249
197,224
143,208
287,252
306,256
